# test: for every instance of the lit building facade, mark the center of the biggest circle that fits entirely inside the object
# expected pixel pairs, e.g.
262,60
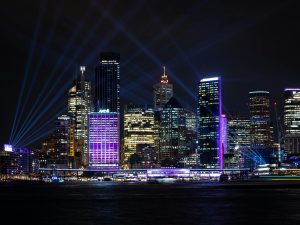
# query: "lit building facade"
156,129
148,155
191,121
239,141
80,104
292,120
138,128
17,161
61,136
107,82
260,118
56,147
209,124
224,133
25,161
104,141
191,131
239,135
162,92
9,161
172,133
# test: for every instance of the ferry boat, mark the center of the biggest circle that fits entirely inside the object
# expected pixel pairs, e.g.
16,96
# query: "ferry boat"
268,173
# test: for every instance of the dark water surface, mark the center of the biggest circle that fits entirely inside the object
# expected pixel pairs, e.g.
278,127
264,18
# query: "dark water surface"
138,204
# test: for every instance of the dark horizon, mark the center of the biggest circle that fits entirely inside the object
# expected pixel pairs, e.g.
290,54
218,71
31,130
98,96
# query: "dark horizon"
252,46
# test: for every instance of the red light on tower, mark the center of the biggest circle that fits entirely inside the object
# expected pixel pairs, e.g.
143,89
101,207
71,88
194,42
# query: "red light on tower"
164,77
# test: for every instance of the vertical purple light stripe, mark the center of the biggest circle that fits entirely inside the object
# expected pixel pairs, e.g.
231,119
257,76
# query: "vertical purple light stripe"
224,133
220,126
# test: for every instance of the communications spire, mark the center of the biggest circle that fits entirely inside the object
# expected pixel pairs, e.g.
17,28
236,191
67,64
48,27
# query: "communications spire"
164,77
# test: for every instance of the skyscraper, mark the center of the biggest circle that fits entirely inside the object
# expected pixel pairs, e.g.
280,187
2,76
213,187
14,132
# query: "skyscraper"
172,133
80,103
107,82
239,141
138,128
61,135
104,141
292,120
209,124
260,118
191,131
162,92
56,146
239,136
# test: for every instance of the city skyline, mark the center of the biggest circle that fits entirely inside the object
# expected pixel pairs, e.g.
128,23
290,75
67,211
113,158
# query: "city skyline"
241,51
150,112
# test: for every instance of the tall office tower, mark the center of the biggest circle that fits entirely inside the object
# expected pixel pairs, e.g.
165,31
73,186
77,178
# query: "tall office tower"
239,141
172,133
56,146
162,92
138,128
191,131
292,120
156,128
261,134
107,82
80,103
209,124
239,136
61,135
104,140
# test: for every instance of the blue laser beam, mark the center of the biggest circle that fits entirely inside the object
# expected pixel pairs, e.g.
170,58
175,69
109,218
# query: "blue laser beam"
49,92
111,35
41,60
46,108
55,68
27,68
150,55
45,125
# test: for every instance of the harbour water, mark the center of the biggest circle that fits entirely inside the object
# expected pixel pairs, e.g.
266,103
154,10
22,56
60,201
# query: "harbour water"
158,204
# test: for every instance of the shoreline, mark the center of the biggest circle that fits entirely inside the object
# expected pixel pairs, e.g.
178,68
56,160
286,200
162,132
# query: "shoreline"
202,183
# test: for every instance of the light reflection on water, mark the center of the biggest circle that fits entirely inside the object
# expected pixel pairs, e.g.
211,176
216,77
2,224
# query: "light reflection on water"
142,203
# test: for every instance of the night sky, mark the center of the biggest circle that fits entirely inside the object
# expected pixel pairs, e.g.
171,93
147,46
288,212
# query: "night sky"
252,45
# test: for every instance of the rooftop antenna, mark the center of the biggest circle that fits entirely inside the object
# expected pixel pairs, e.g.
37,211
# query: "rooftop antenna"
82,69
164,78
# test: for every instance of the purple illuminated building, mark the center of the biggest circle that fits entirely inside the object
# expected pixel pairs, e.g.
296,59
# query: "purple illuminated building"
224,132
104,141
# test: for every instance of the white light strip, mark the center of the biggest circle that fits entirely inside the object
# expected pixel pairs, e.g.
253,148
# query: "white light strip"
256,92
292,89
209,79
